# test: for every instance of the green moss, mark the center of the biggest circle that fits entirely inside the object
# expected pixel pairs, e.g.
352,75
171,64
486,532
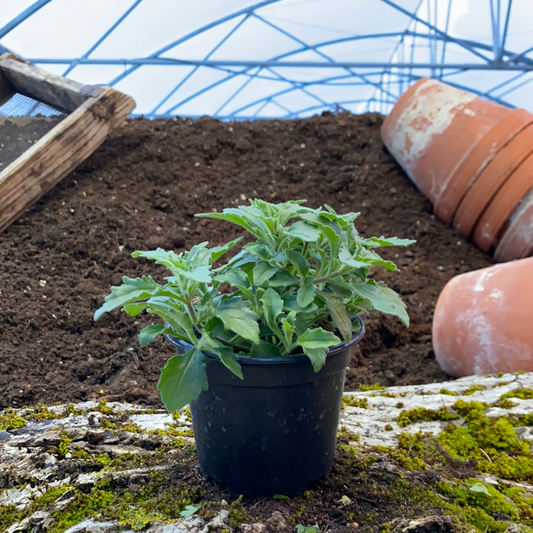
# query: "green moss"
522,394
469,410
64,443
523,420
387,427
422,414
492,443
504,404
173,432
447,392
104,408
103,459
352,401
81,454
387,395
49,497
85,506
10,420
400,405
472,389
376,386
237,513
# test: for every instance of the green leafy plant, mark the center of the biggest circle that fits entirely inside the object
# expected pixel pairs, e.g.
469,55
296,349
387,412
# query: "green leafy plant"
190,510
297,287
306,529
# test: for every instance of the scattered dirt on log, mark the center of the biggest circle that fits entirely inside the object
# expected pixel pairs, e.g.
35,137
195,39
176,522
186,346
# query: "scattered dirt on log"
141,189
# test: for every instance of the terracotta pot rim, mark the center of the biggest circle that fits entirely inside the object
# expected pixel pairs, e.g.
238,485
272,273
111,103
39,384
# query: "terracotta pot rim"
511,246
467,171
489,228
490,181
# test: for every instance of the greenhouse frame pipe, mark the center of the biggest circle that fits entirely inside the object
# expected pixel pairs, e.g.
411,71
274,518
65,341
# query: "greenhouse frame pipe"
21,17
491,65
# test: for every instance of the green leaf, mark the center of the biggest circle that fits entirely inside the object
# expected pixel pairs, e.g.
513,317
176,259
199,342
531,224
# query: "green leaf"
298,261
161,257
149,333
479,487
388,241
243,258
239,318
316,343
234,277
182,380
365,260
306,295
290,303
306,529
190,510
280,497
234,215
130,291
219,251
135,309
282,279
339,314
273,305
382,299
229,359
265,350
303,231
201,274
263,271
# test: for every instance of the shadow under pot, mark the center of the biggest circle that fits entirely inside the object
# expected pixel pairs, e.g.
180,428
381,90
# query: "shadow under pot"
273,432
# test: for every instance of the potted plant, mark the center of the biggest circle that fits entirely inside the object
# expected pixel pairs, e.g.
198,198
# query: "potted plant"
264,339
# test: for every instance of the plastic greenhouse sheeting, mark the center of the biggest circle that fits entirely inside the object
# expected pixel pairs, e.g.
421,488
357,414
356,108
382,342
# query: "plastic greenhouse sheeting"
276,58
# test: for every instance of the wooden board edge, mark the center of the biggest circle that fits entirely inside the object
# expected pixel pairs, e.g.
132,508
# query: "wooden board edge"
6,89
56,91
89,126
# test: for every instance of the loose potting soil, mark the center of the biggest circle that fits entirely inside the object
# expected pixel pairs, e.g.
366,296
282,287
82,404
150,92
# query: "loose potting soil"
141,189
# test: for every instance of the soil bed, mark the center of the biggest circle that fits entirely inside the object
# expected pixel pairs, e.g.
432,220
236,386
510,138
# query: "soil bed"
141,189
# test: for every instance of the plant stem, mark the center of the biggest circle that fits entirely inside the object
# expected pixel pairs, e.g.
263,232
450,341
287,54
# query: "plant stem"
192,314
325,278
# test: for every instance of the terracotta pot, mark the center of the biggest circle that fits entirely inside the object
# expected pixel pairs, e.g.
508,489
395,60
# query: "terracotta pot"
517,239
505,202
479,157
433,128
482,322
489,182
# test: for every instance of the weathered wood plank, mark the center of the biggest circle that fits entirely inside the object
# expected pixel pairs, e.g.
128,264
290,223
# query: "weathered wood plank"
56,91
49,160
6,89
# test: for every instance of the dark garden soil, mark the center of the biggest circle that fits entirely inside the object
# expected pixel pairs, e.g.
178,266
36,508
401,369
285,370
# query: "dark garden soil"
141,189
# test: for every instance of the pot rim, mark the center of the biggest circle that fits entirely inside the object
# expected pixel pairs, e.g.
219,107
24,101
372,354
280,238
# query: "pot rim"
287,359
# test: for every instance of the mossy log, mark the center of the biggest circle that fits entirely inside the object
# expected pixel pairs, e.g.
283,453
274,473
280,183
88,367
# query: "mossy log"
447,457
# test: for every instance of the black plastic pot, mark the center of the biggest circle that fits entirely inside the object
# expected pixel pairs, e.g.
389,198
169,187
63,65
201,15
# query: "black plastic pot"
273,432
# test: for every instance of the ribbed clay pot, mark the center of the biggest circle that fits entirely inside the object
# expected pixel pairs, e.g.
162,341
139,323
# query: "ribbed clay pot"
517,237
502,206
484,159
483,321
433,129
491,179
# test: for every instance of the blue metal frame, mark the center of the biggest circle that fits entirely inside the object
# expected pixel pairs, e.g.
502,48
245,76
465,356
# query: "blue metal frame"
387,82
